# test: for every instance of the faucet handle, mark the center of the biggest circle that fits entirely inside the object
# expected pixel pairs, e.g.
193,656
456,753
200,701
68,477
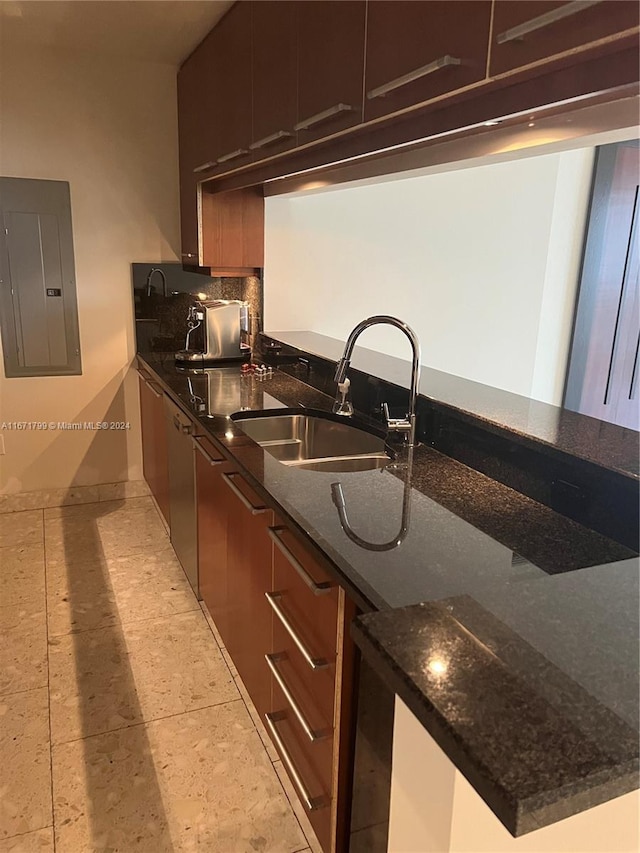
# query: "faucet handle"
396,424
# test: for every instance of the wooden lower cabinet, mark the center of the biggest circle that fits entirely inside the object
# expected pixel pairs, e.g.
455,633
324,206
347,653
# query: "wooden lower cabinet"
155,461
310,721
284,621
249,620
212,510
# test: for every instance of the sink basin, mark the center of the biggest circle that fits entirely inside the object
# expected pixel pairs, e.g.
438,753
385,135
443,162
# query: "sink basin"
317,441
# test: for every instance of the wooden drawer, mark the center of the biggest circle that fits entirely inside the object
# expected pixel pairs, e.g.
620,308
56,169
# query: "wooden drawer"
309,766
305,627
535,30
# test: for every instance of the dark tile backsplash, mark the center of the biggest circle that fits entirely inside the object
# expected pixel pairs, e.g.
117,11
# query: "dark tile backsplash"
161,313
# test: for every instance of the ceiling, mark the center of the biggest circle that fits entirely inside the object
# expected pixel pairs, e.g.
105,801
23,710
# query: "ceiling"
163,31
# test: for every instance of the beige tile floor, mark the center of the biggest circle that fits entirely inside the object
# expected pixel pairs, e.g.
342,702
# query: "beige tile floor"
123,723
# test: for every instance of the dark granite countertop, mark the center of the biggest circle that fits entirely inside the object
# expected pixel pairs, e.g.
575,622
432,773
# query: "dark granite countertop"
535,611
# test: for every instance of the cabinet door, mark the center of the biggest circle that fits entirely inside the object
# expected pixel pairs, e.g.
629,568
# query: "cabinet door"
249,556
274,77
228,80
155,459
330,67
147,423
233,228
533,30
212,506
194,139
419,50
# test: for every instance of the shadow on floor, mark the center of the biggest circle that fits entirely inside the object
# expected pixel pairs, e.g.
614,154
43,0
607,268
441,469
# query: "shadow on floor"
111,792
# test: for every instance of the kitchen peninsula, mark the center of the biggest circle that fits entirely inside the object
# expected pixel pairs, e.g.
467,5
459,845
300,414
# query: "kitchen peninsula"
499,592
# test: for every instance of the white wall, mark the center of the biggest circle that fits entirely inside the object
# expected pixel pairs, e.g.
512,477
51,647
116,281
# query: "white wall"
482,262
435,810
109,127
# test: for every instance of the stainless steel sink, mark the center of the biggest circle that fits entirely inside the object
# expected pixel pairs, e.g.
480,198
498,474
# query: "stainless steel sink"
315,442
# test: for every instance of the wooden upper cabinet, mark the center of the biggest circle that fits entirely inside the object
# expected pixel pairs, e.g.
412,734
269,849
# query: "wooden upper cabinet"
274,77
330,66
228,89
192,144
418,50
533,30
233,229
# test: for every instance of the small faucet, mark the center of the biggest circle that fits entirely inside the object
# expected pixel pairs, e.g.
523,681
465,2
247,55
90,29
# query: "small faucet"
164,281
406,424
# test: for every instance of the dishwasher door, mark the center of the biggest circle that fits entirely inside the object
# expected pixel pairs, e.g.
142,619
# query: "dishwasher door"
182,491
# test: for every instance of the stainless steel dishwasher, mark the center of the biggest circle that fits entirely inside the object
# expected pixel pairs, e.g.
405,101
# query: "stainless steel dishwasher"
182,491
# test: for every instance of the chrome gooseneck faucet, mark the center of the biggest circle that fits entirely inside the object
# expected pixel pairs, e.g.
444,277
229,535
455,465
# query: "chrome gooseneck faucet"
343,407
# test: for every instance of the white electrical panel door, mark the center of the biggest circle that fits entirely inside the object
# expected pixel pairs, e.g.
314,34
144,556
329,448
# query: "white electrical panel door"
39,317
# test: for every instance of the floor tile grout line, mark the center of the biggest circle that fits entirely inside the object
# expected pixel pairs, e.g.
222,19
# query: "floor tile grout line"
26,832
77,505
128,622
25,690
57,563
46,600
147,722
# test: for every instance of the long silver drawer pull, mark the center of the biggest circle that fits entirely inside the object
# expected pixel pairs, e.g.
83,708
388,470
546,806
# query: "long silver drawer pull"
315,663
323,116
317,588
254,510
272,663
312,803
232,155
204,166
412,76
156,393
200,448
545,20
268,140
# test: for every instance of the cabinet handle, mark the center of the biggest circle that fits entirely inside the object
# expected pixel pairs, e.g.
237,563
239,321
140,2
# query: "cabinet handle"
268,140
200,448
232,155
317,588
412,76
203,167
184,428
323,116
311,803
156,393
545,20
254,510
189,255
315,663
272,663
